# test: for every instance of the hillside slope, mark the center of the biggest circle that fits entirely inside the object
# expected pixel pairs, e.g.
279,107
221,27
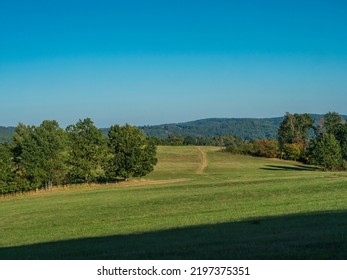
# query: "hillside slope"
199,203
244,128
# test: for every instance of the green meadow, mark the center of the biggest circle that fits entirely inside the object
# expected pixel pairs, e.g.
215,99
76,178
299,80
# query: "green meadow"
199,203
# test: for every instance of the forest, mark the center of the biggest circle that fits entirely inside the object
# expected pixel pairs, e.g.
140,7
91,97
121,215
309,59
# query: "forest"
245,128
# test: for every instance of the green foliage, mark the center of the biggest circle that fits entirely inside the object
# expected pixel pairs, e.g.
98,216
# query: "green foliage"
87,150
7,176
244,148
294,129
20,136
53,141
335,124
47,155
344,151
259,148
38,155
131,154
325,151
331,122
180,140
175,140
245,128
266,148
233,149
294,135
225,140
291,151
21,139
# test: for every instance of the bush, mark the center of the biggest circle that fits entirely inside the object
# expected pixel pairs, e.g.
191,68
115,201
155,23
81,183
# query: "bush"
242,149
266,148
291,151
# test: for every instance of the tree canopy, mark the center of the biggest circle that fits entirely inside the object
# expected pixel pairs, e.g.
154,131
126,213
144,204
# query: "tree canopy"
293,135
132,155
47,155
325,151
87,150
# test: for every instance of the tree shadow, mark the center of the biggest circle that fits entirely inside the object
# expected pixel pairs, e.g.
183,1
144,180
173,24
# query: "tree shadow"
296,167
305,236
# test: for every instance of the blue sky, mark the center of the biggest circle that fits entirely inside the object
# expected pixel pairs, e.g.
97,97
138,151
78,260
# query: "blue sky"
151,62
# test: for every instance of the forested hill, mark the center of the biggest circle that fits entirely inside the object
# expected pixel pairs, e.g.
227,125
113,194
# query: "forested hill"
246,128
6,133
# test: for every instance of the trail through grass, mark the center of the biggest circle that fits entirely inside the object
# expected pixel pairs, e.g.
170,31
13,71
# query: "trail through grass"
191,187
203,160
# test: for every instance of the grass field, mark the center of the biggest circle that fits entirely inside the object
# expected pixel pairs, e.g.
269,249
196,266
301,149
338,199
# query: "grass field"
199,203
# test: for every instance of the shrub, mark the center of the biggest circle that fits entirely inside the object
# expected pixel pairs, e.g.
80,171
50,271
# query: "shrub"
266,148
292,151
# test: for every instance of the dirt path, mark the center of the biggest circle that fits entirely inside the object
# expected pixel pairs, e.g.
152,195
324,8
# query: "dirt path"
203,161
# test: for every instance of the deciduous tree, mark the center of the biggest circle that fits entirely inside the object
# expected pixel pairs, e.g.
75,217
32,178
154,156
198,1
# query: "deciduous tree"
294,129
132,155
87,150
40,153
7,175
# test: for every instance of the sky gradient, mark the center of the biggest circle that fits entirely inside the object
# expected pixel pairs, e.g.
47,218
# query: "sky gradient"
152,62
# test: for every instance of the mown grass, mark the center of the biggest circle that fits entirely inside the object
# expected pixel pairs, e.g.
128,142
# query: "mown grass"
238,207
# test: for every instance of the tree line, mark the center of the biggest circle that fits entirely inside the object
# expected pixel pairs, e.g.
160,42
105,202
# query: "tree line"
323,143
190,140
327,147
47,155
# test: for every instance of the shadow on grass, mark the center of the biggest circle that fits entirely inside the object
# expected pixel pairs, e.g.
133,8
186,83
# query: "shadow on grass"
297,167
307,236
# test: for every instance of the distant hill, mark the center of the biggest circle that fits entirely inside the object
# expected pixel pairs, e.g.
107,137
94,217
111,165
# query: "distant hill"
245,128
6,133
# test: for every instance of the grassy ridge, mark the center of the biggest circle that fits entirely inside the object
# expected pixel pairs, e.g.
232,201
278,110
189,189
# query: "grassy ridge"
255,202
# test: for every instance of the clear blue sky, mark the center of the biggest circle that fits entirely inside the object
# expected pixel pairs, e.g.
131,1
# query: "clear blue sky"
151,62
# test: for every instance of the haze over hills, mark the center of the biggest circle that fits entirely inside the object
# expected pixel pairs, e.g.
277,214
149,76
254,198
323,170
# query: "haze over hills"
246,128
